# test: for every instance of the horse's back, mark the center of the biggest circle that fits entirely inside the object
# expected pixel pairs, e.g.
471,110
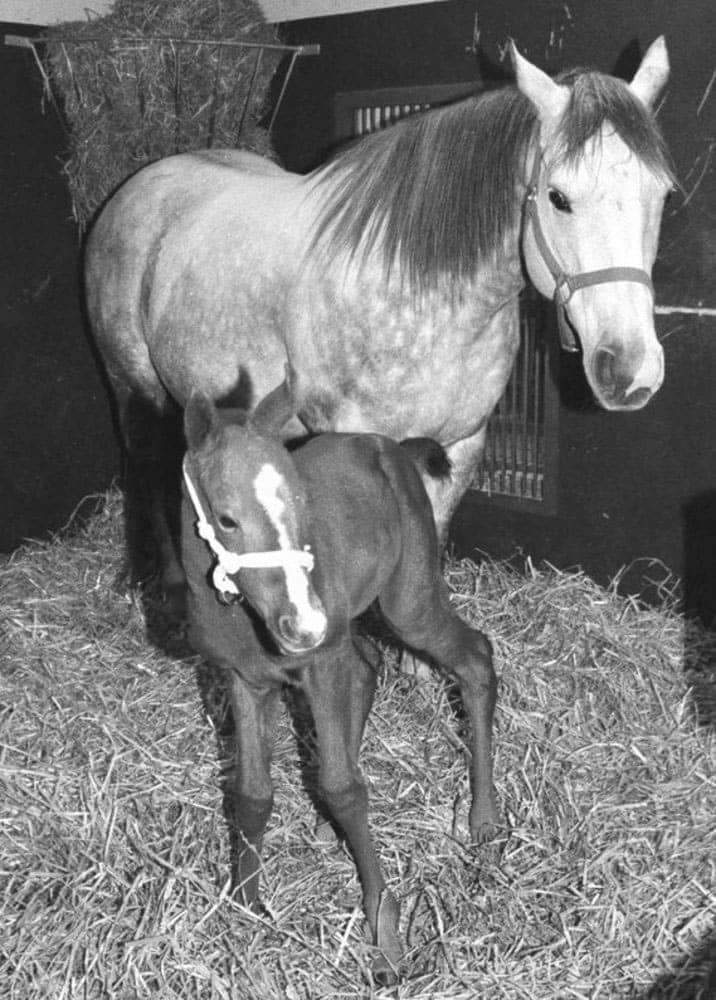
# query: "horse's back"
158,199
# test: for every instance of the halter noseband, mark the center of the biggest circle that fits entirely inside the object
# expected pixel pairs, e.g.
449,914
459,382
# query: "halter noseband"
566,285
228,562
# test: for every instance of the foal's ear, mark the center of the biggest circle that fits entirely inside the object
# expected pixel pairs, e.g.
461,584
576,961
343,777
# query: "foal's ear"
275,409
200,418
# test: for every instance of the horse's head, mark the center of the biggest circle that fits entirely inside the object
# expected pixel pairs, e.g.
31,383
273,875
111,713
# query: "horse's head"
247,488
599,178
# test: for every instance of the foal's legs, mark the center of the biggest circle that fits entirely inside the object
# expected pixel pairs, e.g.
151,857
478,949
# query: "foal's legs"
445,495
255,713
340,694
423,618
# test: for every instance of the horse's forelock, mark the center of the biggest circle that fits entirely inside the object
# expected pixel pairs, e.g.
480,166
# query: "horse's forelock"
597,99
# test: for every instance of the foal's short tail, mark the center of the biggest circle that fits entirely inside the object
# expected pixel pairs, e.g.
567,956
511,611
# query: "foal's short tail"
429,457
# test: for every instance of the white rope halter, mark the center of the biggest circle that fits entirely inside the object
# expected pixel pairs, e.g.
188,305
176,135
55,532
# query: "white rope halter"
229,562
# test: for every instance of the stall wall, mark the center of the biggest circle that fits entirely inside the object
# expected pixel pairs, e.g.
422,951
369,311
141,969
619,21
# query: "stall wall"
57,441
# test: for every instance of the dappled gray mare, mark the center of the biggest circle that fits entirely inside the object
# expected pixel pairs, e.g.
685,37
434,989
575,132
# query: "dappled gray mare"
310,539
389,279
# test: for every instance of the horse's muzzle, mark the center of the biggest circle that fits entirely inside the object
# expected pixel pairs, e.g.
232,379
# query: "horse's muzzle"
616,383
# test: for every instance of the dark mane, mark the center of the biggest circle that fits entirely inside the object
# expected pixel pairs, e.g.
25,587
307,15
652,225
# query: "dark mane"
439,190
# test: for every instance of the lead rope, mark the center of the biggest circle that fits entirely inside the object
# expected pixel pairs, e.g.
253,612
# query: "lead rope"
228,562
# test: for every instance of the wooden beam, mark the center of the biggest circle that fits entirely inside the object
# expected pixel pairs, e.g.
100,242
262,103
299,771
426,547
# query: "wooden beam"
52,11
275,11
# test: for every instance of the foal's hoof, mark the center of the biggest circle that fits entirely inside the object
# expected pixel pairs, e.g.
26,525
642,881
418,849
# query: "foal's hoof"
484,831
412,666
385,973
388,965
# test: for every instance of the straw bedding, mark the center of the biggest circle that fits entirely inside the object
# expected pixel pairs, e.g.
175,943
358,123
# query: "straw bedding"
129,99
114,846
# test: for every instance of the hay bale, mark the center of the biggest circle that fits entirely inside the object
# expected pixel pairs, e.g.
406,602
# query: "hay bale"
150,80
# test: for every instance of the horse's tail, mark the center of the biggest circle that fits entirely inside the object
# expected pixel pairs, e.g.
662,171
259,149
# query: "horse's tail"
429,457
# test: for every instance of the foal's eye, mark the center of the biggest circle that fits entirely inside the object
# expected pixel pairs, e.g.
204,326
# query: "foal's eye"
227,523
559,200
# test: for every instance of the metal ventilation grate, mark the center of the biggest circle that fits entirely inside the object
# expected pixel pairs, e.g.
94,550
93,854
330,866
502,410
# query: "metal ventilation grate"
513,463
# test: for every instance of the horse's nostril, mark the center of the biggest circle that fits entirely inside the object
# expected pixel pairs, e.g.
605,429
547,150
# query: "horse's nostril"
605,369
638,398
288,629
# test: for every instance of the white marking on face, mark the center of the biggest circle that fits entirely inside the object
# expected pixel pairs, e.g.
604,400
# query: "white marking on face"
267,485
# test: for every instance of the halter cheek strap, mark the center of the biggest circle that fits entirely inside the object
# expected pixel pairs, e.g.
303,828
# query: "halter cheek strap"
566,285
228,562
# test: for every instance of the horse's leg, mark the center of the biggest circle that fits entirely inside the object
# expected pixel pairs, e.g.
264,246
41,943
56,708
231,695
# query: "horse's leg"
165,502
444,498
419,610
340,695
152,440
255,713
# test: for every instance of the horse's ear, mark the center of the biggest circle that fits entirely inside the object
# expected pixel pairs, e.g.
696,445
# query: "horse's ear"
200,418
276,408
548,97
650,79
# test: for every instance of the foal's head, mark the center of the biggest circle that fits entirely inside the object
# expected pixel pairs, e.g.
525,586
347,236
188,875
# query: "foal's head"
252,496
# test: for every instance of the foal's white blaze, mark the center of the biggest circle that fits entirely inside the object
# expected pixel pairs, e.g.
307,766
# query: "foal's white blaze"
266,488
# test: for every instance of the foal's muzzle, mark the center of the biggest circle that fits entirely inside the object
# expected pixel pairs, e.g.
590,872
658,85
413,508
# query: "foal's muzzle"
294,638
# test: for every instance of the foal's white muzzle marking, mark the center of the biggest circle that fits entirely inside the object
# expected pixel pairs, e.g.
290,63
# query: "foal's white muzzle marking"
311,620
229,563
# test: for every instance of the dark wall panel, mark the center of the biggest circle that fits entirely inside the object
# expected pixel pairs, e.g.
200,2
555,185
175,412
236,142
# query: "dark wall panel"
57,442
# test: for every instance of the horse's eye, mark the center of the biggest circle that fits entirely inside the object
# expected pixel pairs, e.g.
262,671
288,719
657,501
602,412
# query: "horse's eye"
227,523
560,201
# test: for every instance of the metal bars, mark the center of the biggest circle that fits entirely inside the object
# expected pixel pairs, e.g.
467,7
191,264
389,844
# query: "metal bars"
513,463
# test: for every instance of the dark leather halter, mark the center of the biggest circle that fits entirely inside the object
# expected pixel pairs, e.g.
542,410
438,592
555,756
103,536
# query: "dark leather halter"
565,284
